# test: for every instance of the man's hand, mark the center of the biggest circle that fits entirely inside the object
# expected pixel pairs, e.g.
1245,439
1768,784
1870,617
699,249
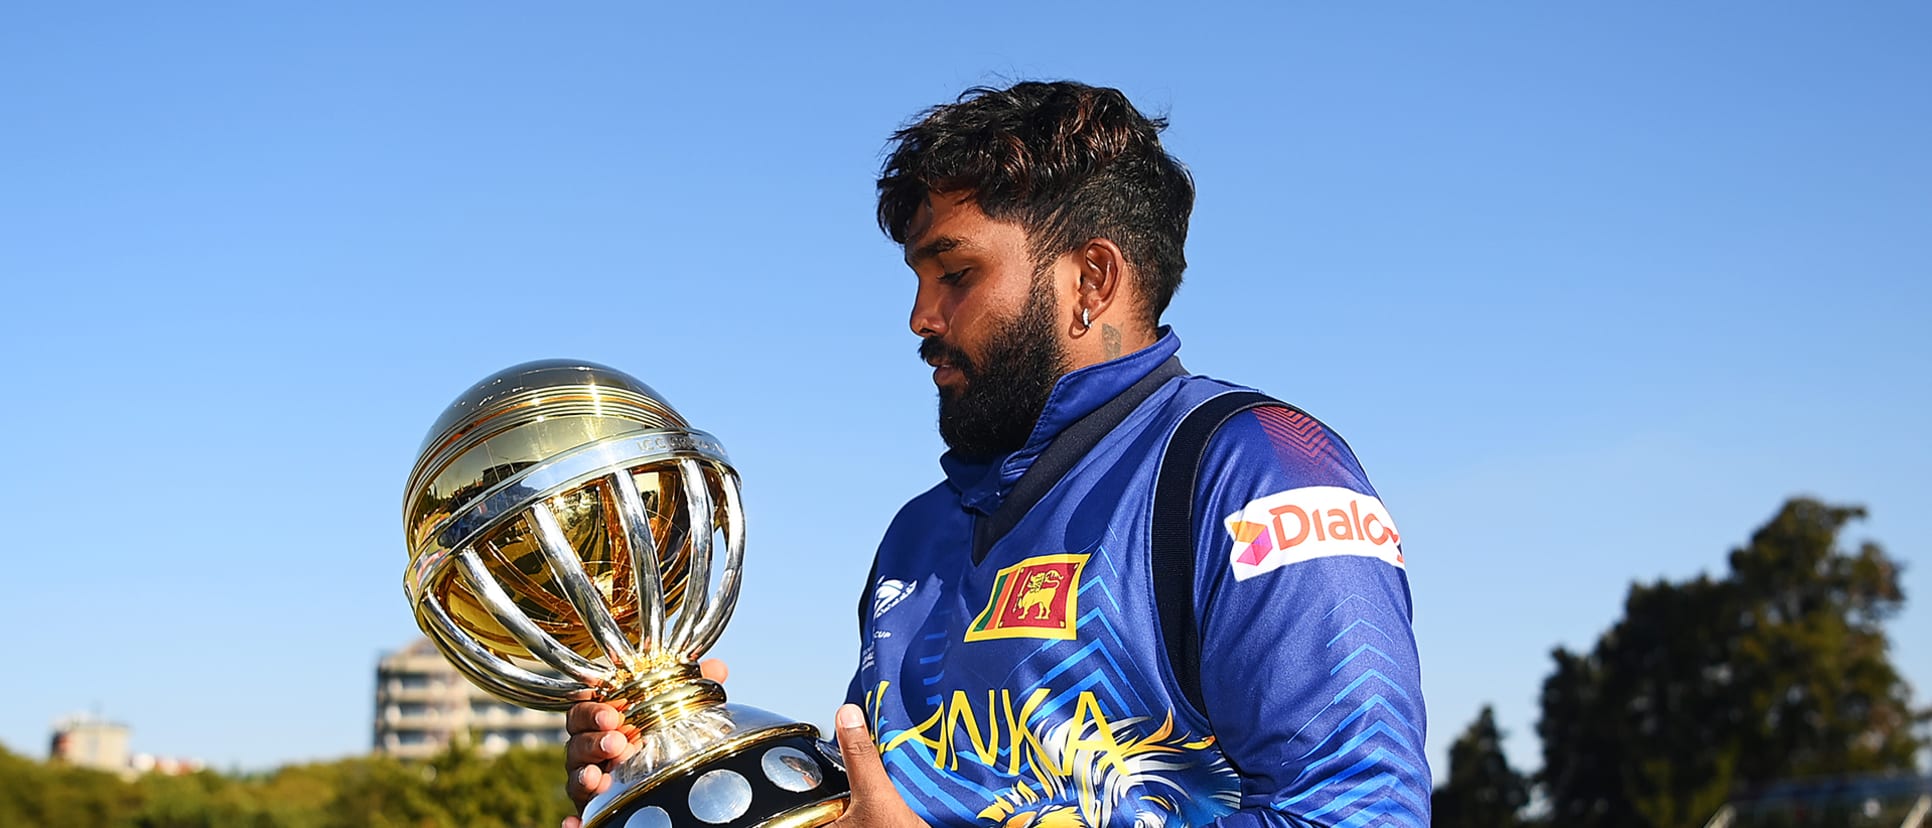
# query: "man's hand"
875,802
599,739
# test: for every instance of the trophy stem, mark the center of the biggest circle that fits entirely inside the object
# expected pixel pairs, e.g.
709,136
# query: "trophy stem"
659,696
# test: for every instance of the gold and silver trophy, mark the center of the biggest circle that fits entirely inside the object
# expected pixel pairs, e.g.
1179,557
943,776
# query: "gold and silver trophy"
571,537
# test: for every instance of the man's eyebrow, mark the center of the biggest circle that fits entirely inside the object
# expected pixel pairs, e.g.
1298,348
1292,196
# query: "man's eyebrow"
943,244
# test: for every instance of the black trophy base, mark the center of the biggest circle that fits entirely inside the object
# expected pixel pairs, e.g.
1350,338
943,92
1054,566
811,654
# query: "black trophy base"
784,783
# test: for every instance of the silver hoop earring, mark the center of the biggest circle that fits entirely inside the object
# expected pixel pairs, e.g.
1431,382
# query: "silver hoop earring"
1085,322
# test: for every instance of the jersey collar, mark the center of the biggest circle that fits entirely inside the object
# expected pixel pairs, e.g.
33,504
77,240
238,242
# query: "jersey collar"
982,485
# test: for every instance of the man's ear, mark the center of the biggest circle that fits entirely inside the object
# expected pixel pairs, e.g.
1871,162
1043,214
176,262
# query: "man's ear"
1099,294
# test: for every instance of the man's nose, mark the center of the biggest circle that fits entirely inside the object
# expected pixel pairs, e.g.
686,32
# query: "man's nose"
926,319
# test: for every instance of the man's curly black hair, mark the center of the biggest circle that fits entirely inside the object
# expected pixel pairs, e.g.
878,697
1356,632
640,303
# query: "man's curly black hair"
1066,161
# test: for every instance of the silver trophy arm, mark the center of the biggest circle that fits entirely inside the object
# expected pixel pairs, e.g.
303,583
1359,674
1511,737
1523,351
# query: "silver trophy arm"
713,623
576,586
644,561
493,672
697,586
539,643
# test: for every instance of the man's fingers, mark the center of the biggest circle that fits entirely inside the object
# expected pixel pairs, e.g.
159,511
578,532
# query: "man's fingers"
592,748
573,822
875,802
595,740
586,717
586,782
867,773
714,669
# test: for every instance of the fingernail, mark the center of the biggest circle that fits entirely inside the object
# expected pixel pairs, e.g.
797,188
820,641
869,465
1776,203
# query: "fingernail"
850,717
607,720
611,742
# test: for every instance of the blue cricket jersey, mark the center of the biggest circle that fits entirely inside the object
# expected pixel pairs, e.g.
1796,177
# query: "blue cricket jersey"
1032,688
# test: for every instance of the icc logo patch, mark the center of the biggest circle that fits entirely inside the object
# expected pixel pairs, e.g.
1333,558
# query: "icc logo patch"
1035,598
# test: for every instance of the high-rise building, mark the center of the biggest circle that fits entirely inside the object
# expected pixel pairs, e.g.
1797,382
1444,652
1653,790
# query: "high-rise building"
423,705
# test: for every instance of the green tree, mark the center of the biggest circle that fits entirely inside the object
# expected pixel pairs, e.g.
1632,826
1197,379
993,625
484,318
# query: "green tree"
35,793
381,792
1779,669
458,788
1823,697
1482,791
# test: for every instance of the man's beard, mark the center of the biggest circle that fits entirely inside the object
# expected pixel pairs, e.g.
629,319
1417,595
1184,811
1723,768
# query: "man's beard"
1006,392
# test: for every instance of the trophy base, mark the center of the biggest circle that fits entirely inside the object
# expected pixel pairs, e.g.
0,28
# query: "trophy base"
728,766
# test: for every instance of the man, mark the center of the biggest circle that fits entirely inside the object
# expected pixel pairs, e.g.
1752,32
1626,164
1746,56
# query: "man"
1031,655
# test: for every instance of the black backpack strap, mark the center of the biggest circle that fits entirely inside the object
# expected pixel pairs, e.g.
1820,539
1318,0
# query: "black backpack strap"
1060,456
1173,532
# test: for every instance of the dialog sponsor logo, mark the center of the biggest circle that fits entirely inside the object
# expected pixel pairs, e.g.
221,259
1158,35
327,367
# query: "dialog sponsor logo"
1307,523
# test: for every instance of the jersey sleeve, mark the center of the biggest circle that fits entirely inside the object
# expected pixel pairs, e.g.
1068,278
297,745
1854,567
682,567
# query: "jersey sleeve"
1309,671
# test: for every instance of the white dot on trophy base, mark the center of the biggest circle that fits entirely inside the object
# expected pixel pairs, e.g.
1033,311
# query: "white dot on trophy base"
720,796
791,769
649,817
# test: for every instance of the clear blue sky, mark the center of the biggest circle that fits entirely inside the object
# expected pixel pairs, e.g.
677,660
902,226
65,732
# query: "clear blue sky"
1590,290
